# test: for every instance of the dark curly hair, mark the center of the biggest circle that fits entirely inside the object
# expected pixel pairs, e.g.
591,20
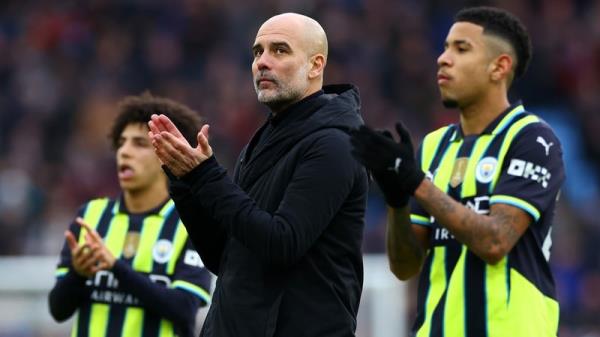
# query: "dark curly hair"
504,25
138,109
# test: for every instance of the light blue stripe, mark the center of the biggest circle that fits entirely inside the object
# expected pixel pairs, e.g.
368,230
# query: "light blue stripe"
201,293
420,220
167,208
522,204
518,110
60,272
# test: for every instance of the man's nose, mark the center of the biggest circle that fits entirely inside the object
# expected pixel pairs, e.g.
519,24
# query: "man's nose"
263,61
443,59
124,150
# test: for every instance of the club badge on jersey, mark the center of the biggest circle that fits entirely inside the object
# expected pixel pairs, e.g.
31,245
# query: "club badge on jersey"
162,251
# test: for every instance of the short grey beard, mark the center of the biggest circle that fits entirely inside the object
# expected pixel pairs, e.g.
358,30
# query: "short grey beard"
280,101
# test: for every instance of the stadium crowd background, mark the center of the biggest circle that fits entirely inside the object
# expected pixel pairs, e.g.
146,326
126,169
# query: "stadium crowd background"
63,65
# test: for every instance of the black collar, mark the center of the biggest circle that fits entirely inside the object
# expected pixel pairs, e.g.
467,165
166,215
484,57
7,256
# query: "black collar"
275,119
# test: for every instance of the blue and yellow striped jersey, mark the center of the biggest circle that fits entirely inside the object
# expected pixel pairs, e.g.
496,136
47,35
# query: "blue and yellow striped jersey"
154,244
517,160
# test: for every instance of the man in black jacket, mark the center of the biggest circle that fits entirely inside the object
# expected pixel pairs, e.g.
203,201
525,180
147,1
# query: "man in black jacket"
284,237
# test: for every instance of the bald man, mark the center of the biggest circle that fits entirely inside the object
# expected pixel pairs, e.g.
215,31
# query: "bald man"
284,235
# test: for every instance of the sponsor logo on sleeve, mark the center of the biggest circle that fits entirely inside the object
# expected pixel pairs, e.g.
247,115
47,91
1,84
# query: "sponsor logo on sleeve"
192,258
528,170
545,144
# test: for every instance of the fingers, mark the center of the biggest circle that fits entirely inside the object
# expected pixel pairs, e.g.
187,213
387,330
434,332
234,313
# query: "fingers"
367,137
88,261
386,133
154,130
80,252
164,124
402,132
203,141
167,150
161,125
155,124
71,241
93,235
205,129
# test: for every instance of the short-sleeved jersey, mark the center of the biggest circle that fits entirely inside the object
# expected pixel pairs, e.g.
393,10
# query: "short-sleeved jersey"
517,160
154,244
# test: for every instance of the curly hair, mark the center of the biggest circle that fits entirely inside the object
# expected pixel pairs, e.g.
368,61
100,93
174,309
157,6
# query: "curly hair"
504,25
138,109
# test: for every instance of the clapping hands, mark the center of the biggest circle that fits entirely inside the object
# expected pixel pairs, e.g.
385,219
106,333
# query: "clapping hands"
89,257
392,163
173,150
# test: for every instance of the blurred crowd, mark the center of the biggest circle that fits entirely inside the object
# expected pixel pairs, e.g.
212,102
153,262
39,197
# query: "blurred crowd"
64,65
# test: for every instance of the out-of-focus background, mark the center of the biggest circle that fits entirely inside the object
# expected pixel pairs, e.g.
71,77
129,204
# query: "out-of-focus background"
64,64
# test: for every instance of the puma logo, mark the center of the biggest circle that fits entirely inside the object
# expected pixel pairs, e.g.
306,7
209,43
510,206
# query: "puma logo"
544,144
396,167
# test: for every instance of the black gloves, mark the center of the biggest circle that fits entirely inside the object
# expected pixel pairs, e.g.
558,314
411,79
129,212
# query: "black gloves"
392,164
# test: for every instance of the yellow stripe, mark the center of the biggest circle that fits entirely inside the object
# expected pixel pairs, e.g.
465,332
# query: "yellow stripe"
133,323
496,290
166,328
429,147
178,244
510,135
437,285
99,320
530,313
92,215
61,272
469,186
508,118
454,315
74,331
115,236
148,237
442,178
420,220
166,208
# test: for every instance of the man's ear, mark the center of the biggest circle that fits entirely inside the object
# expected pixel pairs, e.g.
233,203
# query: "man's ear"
501,68
317,65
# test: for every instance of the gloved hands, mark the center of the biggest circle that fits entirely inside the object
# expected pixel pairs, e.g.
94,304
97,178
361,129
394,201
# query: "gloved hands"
392,164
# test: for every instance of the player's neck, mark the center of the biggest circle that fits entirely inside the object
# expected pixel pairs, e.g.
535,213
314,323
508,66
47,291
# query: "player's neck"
140,201
475,117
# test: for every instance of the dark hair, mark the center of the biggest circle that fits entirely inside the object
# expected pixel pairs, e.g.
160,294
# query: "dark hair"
138,109
502,24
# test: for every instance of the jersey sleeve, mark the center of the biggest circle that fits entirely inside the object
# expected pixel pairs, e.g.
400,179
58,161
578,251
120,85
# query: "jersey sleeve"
532,172
418,215
191,275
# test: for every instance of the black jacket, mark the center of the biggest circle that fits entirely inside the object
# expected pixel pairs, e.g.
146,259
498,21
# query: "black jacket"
284,237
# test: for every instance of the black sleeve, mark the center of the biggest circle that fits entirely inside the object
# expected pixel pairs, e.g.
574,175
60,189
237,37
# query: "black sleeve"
533,171
322,179
66,296
69,291
207,236
176,305
191,275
